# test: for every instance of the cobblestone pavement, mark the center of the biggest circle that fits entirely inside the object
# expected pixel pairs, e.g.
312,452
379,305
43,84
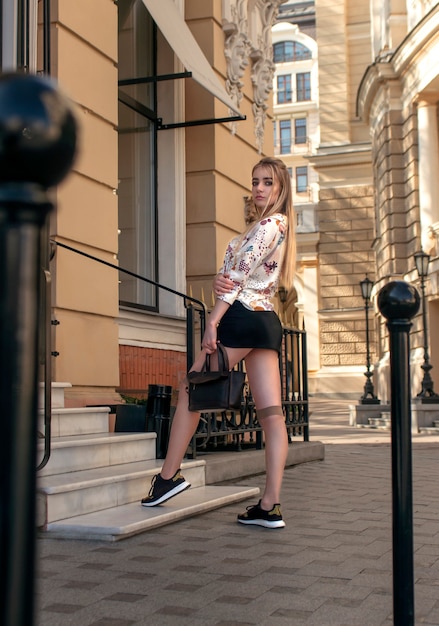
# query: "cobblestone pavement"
331,565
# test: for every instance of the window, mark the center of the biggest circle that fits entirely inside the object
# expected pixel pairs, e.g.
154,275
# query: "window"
303,86
290,51
18,36
301,179
300,130
284,93
137,155
285,136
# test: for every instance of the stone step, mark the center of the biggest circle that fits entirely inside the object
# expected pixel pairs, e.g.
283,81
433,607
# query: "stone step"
76,421
88,491
57,394
131,519
83,452
429,430
382,422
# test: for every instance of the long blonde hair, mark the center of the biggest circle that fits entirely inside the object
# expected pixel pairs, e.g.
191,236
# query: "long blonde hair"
283,204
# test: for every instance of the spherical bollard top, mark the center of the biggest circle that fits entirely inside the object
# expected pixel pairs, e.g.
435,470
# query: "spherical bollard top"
37,131
398,300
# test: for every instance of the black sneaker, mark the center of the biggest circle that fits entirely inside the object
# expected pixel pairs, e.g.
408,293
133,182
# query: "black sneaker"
162,490
258,517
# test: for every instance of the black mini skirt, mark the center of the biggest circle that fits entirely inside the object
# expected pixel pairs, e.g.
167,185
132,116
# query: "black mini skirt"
241,327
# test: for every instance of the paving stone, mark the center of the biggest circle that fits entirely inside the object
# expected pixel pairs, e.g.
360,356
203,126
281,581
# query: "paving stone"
331,565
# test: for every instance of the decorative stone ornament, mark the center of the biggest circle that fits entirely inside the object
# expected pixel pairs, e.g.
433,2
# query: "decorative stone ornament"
263,65
247,26
236,50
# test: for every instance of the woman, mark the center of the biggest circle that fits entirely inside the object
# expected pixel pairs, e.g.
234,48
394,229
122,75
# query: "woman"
244,321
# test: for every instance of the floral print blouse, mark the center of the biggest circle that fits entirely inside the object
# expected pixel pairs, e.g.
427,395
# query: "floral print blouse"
254,263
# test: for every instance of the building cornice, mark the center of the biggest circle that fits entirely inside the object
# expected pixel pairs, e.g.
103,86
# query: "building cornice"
343,154
393,64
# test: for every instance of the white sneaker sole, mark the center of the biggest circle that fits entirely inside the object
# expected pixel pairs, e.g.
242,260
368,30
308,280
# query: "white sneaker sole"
263,522
170,494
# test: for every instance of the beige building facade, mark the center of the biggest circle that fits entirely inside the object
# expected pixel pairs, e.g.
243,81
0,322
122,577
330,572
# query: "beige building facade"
398,99
377,166
296,127
159,182
346,203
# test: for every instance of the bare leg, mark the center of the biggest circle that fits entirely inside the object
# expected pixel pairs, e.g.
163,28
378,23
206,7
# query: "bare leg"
264,378
184,424
276,451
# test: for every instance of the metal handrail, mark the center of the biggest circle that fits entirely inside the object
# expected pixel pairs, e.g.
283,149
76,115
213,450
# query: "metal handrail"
292,364
188,300
191,304
46,350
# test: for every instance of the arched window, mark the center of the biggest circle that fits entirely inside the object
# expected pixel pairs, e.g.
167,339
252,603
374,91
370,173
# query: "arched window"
290,51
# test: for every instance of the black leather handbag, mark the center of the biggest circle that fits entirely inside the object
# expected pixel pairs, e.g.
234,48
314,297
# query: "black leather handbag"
216,390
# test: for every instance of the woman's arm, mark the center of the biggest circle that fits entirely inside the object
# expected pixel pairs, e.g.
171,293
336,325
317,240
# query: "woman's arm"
210,337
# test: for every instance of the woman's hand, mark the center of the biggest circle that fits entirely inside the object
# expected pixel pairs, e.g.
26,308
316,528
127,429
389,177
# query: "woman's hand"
222,284
210,339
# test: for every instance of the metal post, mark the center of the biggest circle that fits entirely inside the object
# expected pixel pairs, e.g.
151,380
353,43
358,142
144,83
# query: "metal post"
37,146
427,393
368,396
398,302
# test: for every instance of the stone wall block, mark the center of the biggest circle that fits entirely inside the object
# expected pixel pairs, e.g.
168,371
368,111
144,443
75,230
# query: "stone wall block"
327,259
337,247
330,359
328,303
330,337
337,348
351,302
333,326
351,359
338,291
326,194
352,257
352,338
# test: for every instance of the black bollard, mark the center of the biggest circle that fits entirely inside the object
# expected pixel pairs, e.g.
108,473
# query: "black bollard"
399,301
158,416
37,147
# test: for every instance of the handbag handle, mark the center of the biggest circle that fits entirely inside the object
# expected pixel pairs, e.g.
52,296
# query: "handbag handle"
223,360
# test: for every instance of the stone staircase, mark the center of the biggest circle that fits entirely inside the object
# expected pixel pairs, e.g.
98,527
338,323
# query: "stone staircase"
377,423
430,430
94,480
383,422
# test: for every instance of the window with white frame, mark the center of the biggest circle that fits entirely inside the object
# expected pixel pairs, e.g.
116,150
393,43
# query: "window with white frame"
287,51
303,86
284,91
285,136
18,35
301,179
300,130
137,192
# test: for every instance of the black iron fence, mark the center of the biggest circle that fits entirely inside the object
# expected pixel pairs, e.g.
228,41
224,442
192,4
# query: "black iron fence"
235,430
